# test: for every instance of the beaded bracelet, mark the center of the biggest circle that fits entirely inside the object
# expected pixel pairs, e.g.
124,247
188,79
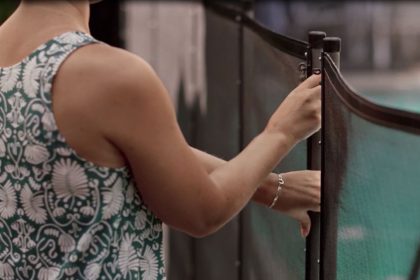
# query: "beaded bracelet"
279,188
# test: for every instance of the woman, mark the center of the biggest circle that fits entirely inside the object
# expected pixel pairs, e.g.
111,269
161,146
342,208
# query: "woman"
89,138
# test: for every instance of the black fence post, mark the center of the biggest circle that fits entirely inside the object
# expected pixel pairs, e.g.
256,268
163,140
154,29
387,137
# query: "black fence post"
240,83
332,46
327,271
315,40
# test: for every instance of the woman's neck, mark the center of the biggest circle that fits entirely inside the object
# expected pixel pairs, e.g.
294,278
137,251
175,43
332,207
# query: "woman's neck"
36,21
50,15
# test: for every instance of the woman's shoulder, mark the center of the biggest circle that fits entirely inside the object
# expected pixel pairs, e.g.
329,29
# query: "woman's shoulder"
106,70
104,61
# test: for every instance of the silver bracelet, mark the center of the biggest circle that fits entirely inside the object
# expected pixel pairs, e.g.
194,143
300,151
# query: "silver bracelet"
279,188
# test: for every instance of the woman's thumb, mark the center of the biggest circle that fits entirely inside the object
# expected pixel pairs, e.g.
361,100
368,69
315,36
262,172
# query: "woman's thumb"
305,226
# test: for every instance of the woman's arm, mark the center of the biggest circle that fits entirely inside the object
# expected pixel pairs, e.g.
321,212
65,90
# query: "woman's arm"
300,193
134,113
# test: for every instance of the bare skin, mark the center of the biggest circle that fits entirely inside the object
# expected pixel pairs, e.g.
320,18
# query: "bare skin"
114,111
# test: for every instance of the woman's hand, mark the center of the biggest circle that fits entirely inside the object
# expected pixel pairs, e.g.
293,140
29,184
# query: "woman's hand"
301,193
299,115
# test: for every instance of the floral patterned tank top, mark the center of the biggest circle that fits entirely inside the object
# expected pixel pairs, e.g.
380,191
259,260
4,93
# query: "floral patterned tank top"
61,216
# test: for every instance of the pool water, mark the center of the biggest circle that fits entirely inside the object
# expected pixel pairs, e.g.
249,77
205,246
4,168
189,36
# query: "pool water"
407,100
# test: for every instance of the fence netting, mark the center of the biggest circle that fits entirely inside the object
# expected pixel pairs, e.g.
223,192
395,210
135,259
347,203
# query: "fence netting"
272,247
371,187
250,70
216,132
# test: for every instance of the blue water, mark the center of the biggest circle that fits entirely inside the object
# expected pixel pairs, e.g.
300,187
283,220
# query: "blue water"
407,100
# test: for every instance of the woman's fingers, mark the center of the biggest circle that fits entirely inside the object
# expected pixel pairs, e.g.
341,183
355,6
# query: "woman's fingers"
305,225
302,193
311,82
316,208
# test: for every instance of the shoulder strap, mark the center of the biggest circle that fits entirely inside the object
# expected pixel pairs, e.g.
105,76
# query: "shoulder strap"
55,53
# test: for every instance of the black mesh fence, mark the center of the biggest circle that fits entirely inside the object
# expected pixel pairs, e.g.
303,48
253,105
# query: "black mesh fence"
250,70
370,226
215,131
371,186
271,245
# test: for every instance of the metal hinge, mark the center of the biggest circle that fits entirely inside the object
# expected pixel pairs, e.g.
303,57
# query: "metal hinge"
302,70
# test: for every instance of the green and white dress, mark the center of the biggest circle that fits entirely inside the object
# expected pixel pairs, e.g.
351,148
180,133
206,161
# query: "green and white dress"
61,216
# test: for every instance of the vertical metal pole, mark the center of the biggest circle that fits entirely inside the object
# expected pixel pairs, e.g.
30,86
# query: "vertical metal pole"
240,83
332,46
315,39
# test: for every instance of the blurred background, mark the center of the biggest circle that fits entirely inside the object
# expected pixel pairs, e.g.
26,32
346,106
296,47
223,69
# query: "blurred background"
380,39
380,59
380,53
